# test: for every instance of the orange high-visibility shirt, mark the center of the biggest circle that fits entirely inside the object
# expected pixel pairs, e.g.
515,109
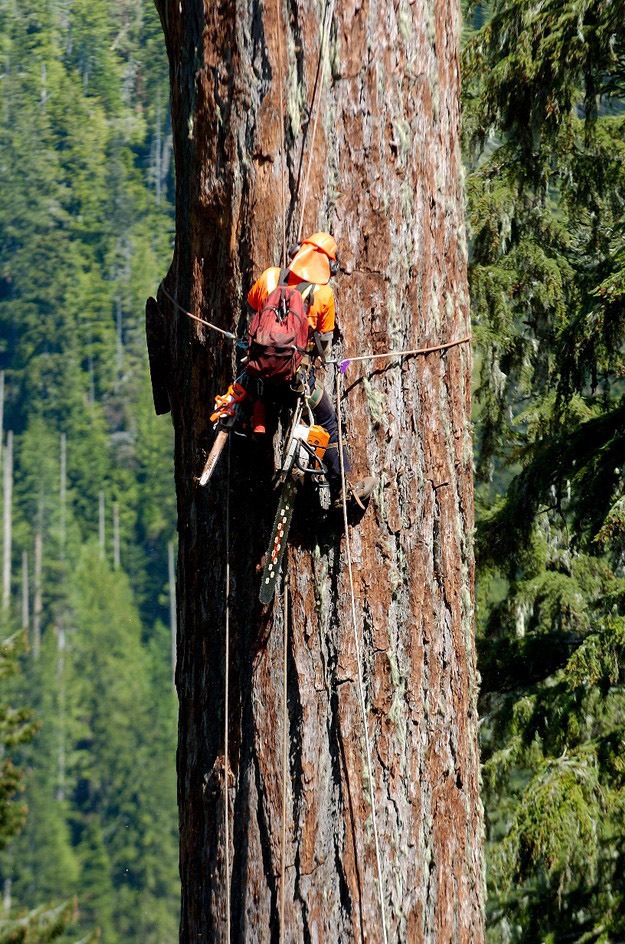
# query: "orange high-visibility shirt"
321,313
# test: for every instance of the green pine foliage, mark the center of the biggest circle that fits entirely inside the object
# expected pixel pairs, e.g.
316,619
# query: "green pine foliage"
545,127
85,235
16,727
41,925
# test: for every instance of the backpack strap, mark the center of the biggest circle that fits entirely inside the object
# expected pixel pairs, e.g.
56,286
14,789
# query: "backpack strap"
319,348
306,289
302,287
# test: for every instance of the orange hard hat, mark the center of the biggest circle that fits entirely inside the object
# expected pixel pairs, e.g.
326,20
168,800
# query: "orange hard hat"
312,259
325,242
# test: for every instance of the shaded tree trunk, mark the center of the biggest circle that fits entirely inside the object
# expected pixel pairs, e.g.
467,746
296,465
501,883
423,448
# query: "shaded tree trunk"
386,182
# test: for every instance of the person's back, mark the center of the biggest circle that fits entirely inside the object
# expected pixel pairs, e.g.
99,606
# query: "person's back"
312,263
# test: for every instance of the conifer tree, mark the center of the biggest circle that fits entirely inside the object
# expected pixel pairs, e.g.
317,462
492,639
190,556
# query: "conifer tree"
385,178
17,727
545,123
84,234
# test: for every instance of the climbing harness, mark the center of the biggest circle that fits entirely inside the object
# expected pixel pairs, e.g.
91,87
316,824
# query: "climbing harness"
361,694
305,446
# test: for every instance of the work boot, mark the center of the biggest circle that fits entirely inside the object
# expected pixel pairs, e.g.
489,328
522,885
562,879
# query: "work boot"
358,493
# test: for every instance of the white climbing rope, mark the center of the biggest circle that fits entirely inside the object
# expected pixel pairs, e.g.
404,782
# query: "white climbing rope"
285,749
282,142
361,693
344,362
327,21
227,701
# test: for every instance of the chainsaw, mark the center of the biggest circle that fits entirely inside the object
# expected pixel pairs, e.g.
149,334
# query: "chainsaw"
305,446
226,414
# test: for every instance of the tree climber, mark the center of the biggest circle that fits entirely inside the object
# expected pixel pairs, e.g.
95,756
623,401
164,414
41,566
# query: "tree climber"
311,265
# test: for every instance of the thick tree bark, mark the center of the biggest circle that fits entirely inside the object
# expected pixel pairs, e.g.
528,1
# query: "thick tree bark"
386,181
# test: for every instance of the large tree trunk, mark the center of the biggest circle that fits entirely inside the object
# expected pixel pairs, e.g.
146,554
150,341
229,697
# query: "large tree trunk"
386,182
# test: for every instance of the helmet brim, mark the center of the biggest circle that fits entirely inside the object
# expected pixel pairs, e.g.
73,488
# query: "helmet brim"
311,265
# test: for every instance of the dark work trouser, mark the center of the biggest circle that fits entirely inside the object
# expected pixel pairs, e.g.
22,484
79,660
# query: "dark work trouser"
325,415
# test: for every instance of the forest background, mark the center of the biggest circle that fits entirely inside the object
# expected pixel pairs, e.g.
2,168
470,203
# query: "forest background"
86,223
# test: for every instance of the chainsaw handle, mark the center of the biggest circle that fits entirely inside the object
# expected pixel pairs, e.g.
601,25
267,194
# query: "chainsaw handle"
320,470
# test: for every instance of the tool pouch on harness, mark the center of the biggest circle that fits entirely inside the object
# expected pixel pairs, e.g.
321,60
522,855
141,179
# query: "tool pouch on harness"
278,334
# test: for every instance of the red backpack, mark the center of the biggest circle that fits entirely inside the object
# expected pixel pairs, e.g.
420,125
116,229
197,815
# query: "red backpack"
278,333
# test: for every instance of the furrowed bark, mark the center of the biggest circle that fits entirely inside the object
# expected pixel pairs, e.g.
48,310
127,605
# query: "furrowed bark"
386,181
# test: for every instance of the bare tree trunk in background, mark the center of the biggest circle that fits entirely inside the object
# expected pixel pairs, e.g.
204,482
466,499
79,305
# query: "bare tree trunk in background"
386,182
7,520
38,599
116,538
1,411
173,627
25,595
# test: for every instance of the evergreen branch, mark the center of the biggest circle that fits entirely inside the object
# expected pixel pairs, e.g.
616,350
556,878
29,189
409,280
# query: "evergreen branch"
583,461
38,926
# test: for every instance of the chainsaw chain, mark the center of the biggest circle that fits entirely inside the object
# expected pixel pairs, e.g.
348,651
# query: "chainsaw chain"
277,542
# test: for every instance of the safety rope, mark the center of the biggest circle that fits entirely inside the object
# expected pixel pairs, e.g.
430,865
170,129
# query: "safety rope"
282,142
285,748
227,699
346,361
327,20
363,708
226,334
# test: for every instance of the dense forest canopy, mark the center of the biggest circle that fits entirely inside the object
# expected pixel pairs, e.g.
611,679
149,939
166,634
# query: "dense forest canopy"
544,123
85,233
